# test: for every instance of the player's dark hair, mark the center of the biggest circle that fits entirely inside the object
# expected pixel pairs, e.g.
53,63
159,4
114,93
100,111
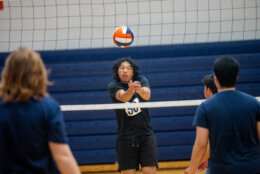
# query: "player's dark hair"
208,81
117,64
226,69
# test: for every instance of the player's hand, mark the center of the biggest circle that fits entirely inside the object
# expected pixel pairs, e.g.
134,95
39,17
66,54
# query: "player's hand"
203,166
187,171
131,86
137,86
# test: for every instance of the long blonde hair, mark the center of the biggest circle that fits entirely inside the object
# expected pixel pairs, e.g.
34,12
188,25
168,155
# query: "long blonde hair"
24,76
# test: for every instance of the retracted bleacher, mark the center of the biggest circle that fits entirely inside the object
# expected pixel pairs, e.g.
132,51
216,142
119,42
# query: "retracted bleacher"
174,73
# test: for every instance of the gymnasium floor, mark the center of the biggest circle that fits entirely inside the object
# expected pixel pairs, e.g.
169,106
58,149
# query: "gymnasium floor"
167,167
161,171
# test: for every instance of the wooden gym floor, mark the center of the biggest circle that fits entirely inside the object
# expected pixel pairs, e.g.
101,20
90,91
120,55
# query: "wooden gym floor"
159,171
171,167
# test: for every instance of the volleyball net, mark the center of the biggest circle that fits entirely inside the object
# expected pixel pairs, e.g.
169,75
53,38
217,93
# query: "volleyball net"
74,24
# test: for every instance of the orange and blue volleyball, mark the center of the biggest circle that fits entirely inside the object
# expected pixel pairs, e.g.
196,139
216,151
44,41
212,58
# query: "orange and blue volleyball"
123,36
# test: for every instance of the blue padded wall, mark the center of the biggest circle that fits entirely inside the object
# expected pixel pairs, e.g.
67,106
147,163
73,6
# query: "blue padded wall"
174,73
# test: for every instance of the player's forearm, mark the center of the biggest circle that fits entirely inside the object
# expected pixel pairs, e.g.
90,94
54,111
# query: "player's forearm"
125,96
206,155
144,93
67,165
196,157
63,158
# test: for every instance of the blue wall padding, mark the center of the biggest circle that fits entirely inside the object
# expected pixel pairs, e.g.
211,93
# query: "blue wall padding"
108,141
156,80
99,156
143,52
90,67
102,127
165,153
96,127
158,94
174,73
174,153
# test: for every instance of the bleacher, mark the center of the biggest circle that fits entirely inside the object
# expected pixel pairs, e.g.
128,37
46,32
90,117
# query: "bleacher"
174,73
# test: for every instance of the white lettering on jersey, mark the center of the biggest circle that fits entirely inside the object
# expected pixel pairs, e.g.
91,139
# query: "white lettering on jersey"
133,111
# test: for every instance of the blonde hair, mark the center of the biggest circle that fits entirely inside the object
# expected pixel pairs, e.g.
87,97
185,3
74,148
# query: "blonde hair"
24,76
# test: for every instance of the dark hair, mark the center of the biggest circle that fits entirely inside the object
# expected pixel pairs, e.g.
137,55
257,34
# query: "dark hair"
226,69
117,64
208,81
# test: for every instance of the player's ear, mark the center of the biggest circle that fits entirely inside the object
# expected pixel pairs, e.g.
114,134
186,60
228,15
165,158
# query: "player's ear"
210,93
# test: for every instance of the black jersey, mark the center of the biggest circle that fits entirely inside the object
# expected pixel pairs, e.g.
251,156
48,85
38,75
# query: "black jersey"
131,121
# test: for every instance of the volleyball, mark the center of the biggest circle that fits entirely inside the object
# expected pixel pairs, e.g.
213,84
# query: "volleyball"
123,36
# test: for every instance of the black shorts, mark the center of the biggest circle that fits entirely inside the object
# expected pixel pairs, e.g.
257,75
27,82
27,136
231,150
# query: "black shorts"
136,150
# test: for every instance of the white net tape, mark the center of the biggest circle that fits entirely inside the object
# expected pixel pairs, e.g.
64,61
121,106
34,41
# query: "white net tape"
178,103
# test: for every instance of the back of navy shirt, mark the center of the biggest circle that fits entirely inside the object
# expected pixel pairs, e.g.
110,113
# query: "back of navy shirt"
25,130
231,118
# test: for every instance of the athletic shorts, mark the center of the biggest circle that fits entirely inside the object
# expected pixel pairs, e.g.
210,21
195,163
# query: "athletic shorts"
136,150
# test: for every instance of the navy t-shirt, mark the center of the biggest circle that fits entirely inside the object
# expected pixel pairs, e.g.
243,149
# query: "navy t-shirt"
25,130
131,121
231,118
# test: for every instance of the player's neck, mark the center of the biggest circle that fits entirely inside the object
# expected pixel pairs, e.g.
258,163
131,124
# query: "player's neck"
226,89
